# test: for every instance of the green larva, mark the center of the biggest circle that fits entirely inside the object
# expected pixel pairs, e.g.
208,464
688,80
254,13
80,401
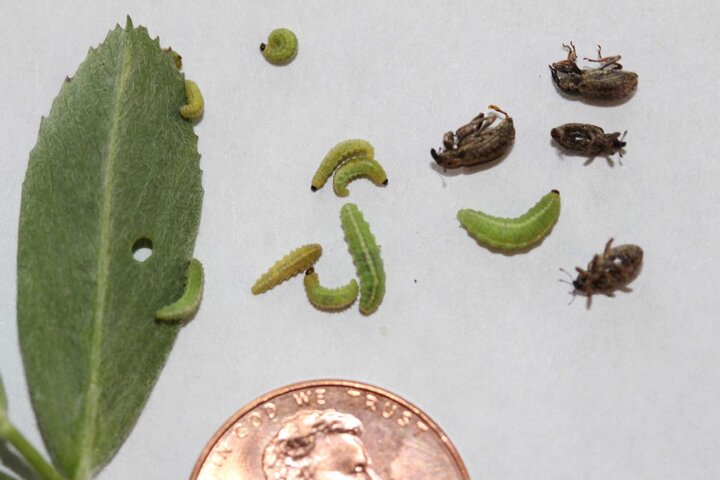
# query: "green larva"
366,256
186,306
511,234
331,299
281,48
290,265
340,153
195,105
355,168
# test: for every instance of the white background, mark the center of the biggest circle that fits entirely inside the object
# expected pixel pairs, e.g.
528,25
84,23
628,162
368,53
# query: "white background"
525,385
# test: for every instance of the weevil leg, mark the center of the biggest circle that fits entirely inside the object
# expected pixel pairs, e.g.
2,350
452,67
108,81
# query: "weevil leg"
574,296
449,141
471,128
611,62
553,72
589,160
608,246
435,155
498,109
572,54
489,120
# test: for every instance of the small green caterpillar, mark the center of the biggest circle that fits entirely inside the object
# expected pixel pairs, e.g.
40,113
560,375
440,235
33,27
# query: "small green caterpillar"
186,306
510,234
290,265
366,256
195,105
340,153
355,168
332,299
281,48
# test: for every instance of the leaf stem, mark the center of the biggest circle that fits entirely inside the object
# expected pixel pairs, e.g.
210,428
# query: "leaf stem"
9,433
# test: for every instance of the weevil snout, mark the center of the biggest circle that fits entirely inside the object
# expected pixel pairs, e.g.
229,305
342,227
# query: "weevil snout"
555,133
435,155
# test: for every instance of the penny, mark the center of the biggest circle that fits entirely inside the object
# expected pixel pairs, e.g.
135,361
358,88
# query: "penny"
330,430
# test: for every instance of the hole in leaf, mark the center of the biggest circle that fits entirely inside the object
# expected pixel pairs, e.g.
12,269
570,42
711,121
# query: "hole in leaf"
142,249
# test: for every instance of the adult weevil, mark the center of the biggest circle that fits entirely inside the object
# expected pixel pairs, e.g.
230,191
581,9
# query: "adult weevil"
475,143
588,139
612,270
607,82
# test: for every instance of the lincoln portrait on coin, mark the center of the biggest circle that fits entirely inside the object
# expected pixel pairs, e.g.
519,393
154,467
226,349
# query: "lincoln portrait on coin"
318,445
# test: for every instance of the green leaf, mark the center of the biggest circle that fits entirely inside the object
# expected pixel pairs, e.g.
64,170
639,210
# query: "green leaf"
3,410
115,167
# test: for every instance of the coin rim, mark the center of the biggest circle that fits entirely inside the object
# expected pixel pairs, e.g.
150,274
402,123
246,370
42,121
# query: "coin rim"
328,383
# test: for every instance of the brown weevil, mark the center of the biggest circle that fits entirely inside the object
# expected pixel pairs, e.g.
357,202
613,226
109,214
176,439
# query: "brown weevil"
588,139
475,143
607,82
612,270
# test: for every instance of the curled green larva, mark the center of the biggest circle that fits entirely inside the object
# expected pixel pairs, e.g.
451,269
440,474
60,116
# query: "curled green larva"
366,256
186,306
340,153
195,105
355,168
281,48
511,234
290,265
332,299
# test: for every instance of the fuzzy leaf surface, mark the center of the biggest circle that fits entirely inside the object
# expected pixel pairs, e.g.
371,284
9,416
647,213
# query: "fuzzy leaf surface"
115,166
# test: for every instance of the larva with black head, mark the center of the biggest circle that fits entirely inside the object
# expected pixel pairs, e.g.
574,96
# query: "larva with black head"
513,234
330,299
186,306
296,261
281,48
356,168
340,153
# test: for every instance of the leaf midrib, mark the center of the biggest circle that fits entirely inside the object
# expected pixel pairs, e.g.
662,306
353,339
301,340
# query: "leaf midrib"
89,424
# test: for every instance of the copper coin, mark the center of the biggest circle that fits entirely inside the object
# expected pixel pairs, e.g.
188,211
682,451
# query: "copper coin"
330,430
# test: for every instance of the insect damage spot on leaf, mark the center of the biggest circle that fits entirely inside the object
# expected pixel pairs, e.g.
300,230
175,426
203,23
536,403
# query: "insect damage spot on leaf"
142,249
